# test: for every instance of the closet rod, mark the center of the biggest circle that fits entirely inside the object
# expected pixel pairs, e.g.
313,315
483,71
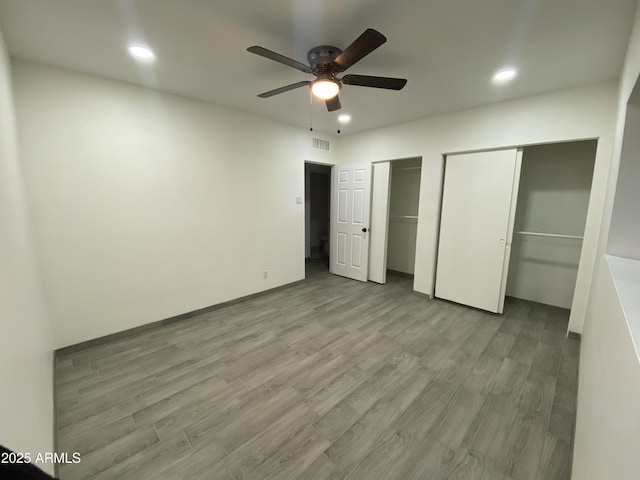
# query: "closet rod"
553,235
406,168
410,217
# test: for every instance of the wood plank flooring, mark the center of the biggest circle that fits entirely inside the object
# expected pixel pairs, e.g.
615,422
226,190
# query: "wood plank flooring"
327,379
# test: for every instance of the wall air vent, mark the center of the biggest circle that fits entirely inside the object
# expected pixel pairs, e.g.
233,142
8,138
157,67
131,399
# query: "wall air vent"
321,144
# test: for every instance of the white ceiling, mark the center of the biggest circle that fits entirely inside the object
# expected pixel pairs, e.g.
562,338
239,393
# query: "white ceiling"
447,49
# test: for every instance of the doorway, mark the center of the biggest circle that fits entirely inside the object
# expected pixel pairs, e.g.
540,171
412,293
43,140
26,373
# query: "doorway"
403,215
394,218
317,217
550,218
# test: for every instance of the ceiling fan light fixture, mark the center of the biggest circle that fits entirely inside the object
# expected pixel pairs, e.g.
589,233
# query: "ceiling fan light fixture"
325,88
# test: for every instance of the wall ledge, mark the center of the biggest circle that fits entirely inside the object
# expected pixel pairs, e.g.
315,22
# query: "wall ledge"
625,273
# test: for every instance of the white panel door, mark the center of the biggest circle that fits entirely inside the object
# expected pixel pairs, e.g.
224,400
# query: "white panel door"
350,221
379,232
475,227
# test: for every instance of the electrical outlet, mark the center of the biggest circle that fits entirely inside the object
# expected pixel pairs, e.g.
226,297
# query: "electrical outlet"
265,274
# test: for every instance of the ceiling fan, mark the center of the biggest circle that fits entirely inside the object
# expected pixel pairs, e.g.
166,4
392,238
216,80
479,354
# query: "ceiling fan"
326,62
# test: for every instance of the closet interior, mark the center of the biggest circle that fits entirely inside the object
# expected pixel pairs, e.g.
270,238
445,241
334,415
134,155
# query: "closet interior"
403,215
396,193
551,212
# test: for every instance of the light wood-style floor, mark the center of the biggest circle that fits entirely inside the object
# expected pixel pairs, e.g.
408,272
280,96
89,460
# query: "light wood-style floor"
327,379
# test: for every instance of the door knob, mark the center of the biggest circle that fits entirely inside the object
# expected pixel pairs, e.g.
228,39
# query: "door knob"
364,230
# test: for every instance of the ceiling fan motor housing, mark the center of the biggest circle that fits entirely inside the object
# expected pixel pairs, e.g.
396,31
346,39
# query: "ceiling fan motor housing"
321,58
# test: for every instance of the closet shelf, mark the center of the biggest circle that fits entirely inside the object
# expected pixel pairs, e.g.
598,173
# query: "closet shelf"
552,235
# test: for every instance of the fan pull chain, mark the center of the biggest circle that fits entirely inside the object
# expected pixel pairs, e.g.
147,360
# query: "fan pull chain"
310,111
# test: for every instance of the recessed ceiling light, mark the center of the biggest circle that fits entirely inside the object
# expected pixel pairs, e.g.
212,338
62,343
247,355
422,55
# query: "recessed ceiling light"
141,52
505,75
344,118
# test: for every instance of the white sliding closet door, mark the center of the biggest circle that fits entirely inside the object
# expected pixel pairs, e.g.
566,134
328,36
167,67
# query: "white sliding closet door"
476,228
350,221
380,198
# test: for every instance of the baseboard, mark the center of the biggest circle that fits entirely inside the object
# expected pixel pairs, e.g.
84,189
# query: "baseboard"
131,332
426,296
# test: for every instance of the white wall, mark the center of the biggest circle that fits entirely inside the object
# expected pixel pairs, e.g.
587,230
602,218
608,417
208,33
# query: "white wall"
553,197
26,349
607,434
405,196
608,419
574,114
149,205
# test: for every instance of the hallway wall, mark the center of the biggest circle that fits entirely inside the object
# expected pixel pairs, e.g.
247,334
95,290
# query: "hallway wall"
26,347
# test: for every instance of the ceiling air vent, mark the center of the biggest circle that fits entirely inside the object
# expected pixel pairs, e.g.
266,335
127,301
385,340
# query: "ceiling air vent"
321,144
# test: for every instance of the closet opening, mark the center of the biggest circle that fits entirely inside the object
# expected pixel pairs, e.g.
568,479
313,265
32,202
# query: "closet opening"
550,219
394,220
317,193
512,225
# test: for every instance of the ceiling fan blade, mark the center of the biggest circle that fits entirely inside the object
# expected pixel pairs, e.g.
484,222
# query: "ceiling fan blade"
286,88
360,48
263,52
333,104
375,82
